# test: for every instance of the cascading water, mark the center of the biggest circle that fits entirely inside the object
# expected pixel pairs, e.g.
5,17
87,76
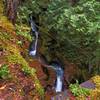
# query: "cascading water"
54,65
33,45
33,25
59,74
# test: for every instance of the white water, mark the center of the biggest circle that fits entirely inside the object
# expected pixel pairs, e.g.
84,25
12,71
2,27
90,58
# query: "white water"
33,53
59,84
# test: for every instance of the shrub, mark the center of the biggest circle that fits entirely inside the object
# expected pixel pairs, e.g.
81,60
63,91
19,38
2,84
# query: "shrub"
4,72
77,90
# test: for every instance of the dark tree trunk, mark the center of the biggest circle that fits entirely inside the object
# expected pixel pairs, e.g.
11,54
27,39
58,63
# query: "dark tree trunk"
73,2
11,9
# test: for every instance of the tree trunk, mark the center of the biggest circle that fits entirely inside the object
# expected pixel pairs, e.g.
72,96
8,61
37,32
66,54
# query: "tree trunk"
11,9
73,2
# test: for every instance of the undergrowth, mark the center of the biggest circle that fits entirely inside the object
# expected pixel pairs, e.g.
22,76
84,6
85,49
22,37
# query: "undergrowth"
11,51
4,72
24,31
77,90
13,56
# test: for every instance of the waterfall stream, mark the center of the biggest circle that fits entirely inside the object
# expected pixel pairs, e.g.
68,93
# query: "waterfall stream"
33,46
59,76
55,65
59,84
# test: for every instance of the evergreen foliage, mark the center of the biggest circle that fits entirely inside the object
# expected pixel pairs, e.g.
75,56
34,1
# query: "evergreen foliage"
73,32
77,28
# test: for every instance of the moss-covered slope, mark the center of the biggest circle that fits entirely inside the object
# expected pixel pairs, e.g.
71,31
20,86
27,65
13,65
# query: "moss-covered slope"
10,56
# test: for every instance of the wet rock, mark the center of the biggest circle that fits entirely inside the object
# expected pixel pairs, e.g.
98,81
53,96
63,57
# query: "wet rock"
88,84
61,96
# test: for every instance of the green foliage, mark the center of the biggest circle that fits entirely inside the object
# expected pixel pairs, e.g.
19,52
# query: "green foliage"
77,90
20,43
31,71
76,30
4,72
73,32
28,70
39,87
27,8
23,31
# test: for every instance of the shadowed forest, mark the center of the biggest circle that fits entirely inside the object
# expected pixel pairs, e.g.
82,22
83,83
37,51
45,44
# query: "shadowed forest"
49,50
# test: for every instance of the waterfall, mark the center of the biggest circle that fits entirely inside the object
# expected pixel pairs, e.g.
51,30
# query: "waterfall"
59,76
54,65
59,84
33,49
33,25
33,46
57,67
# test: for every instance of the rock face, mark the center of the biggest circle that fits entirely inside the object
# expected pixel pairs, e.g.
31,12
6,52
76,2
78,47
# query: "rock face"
88,84
45,78
70,72
62,96
35,64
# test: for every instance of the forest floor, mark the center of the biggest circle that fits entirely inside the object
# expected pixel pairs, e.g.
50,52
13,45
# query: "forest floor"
15,81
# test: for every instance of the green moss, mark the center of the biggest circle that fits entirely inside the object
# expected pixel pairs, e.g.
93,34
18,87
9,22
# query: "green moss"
4,22
39,87
4,72
5,36
28,70
14,56
24,31
1,7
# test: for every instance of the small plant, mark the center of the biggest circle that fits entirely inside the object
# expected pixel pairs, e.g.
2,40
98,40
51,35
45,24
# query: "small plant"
28,70
23,31
20,43
77,90
4,72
